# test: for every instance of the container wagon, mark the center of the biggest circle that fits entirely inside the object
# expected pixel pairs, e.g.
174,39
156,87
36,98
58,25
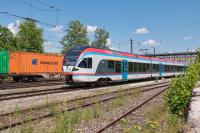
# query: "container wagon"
4,64
29,66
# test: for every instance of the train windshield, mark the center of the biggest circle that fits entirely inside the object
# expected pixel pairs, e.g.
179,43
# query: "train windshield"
72,55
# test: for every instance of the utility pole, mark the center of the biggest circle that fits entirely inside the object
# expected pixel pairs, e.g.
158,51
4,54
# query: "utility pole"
131,42
186,55
154,50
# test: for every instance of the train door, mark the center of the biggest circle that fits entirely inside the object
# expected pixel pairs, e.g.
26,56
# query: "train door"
124,69
160,69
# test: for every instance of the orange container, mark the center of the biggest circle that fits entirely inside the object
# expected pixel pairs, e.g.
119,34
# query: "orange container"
35,63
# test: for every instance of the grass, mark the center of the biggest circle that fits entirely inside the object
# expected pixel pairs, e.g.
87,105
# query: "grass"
159,119
156,120
84,116
68,121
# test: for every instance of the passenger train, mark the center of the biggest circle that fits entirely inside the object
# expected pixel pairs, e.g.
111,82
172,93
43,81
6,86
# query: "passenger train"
85,64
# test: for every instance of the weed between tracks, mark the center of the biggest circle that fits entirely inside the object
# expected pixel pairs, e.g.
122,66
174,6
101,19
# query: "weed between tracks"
156,120
68,122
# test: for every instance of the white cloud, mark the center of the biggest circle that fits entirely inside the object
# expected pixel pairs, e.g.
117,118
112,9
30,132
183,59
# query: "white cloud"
142,30
188,37
91,29
113,48
38,25
150,42
47,44
14,27
109,42
18,22
58,28
52,47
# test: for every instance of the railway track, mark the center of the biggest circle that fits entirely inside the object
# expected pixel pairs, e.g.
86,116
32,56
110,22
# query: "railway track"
33,93
14,85
41,112
129,112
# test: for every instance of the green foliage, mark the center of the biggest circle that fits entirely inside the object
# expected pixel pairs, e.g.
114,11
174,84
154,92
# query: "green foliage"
134,129
76,34
26,128
62,120
198,55
30,37
7,39
179,93
101,36
159,120
151,125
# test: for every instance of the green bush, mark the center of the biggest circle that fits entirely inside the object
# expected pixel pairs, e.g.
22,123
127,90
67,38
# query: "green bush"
177,96
179,93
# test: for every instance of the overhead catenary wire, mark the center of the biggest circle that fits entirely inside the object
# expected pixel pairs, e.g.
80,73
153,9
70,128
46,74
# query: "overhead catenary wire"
48,5
56,8
27,18
181,28
36,8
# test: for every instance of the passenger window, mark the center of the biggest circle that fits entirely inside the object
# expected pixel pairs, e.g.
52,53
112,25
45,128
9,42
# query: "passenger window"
86,63
148,67
83,63
140,67
154,68
135,65
144,67
130,67
118,66
157,67
111,64
89,62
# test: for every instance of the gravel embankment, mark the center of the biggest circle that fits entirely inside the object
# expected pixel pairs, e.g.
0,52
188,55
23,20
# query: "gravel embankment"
107,117
30,102
106,114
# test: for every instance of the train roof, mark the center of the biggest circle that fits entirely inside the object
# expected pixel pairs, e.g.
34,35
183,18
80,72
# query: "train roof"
84,49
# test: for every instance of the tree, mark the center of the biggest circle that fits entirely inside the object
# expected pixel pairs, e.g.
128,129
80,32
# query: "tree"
76,34
198,55
7,39
101,36
30,37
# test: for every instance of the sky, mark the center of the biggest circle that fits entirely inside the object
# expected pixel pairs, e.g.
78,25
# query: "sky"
167,25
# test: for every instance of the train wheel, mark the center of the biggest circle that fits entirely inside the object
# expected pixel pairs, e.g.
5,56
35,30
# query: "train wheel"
34,79
24,79
1,79
99,82
102,81
16,79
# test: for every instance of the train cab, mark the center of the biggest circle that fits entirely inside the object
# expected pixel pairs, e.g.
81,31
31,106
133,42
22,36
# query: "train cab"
72,63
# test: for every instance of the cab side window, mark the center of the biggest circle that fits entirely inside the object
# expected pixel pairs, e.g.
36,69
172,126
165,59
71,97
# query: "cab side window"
86,63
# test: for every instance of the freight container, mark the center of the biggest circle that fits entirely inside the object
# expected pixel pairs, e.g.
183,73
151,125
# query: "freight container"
30,66
4,64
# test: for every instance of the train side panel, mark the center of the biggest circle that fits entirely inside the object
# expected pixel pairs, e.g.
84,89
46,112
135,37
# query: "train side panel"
35,63
114,66
4,64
